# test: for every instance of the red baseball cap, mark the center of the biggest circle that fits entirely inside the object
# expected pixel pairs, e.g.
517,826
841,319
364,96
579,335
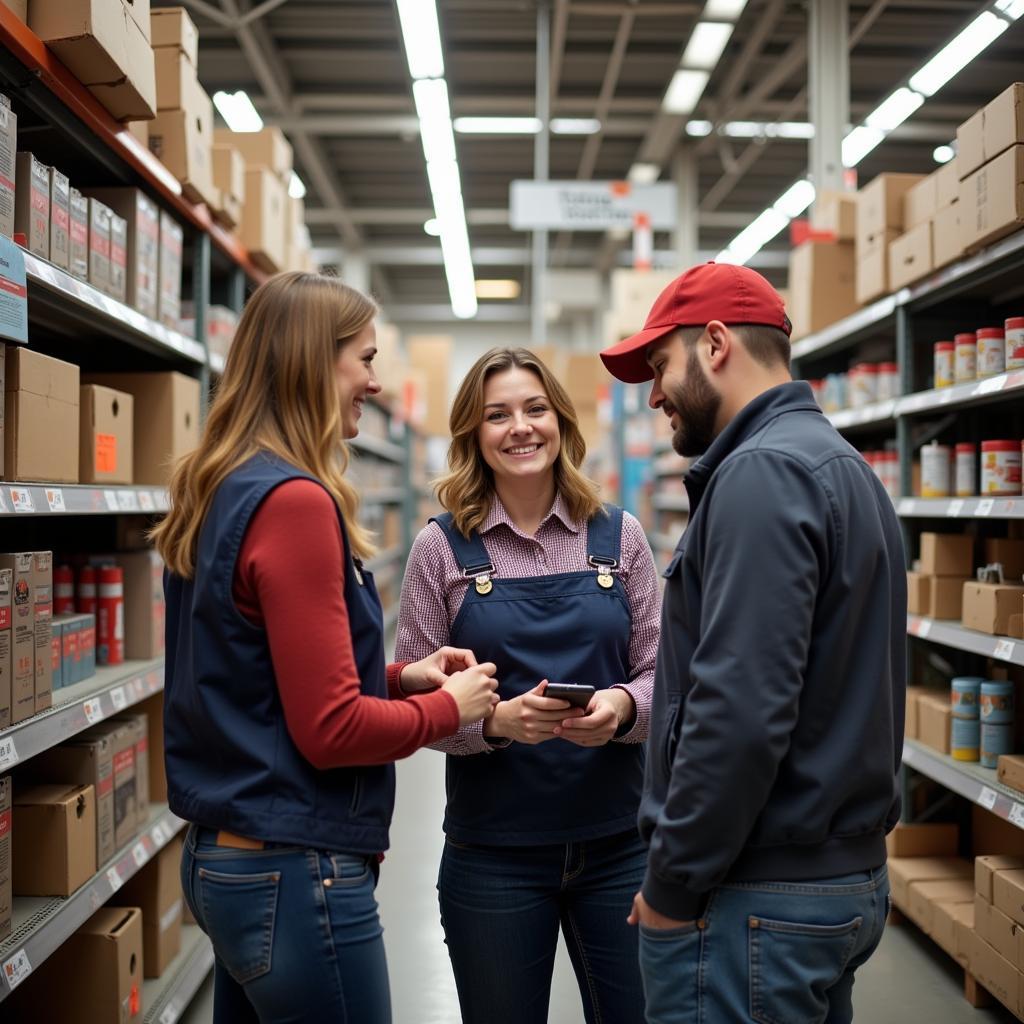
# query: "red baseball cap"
712,291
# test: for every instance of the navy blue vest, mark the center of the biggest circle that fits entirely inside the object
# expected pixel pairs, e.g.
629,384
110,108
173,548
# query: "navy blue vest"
231,763
566,628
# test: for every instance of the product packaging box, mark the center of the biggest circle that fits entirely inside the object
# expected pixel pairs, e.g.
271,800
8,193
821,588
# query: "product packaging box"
432,354
995,973
229,180
1011,773
872,278
153,708
41,429
949,920
175,77
822,285
880,208
920,202
5,857
23,678
138,724
6,667
118,281
87,645
42,616
904,870
910,256
8,161
939,840
947,236
169,272
85,761
55,840
1004,121
836,212
992,200
99,246
79,235
987,867
172,26
69,657
988,607
911,727
947,184
945,597
922,897
918,593
991,834
1008,893
142,219
90,37
106,435
156,890
947,554
60,220
144,607
32,204
122,751
997,930
140,12
934,721
1009,553
168,429
263,225
266,148
132,97
183,141
970,144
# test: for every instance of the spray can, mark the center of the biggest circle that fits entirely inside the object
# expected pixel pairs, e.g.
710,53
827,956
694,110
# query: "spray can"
85,597
110,616
63,590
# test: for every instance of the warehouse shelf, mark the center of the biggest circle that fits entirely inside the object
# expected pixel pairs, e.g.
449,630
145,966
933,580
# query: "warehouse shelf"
60,300
671,502
384,496
951,634
42,924
959,395
978,784
379,447
30,499
877,414
217,362
76,708
165,999
960,508
873,319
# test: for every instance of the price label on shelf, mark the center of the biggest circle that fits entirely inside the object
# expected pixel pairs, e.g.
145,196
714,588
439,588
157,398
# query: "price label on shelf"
21,499
127,501
146,501
159,835
139,854
905,507
117,695
138,689
1016,815
16,969
1004,650
954,508
987,798
114,878
169,1015
55,499
8,753
93,710
110,497
985,507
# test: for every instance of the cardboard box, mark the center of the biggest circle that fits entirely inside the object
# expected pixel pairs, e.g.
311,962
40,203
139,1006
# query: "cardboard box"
431,355
90,37
140,12
1011,773
142,220
122,752
1004,121
924,895
8,164
910,256
822,279
144,607
153,708
880,208
5,857
60,220
920,202
41,430
87,645
170,426
918,593
996,974
131,96
998,931
952,927
138,724
172,26
905,870
947,184
267,148
263,223
6,667
32,204
970,144
85,761
229,179
991,834
78,262
992,200
182,141
57,652
1009,553
911,727
939,840
118,282
945,597
175,78
872,275
1017,626
105,434
934,721
54,849
1008,893
169,271
836,212
99,245
988,606
987,867
947,554
42,617
947,240
23,679
156,890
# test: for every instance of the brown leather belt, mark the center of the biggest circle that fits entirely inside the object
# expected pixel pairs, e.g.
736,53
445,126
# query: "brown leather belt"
236,842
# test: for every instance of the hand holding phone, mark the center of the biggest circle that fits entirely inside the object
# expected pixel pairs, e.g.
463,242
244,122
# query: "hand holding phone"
578,695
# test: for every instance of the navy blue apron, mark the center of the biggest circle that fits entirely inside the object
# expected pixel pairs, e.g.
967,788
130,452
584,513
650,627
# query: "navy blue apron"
571,627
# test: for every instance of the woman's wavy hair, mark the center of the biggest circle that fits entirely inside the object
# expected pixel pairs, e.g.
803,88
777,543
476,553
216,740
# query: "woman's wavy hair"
467,489
278,394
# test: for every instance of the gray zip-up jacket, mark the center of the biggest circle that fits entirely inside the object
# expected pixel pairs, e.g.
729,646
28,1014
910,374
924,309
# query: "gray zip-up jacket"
777,724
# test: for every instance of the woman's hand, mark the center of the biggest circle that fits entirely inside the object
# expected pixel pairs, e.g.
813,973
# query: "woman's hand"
473,690
531,718
433,671
606,712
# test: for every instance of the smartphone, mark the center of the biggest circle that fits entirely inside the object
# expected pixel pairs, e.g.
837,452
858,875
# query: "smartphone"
577,694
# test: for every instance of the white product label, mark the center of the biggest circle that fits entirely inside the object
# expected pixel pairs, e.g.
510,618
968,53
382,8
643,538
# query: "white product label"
139,854
159,836
1016,815
146,501
17,969
110,497
954,509
987,797
55,499
8,753
117,695
169,1016
984,507
127,501
1004,650
114,878
905,507
924,628
21,499
93,711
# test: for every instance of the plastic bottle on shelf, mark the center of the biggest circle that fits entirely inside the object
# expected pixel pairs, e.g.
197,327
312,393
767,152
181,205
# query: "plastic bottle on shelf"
1014,332
997,714
890,472
1001,468
966,470
965,368
991,352
85,595
945,353
888,381
110,616
63,590
863,385
935,470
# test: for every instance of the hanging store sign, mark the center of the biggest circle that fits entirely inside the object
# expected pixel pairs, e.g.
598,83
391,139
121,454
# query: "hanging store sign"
589,205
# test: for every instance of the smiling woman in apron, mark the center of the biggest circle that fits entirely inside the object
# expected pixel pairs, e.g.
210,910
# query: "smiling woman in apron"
531,572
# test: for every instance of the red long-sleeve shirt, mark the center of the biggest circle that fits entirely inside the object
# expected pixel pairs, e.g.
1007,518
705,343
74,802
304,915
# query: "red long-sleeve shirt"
289,579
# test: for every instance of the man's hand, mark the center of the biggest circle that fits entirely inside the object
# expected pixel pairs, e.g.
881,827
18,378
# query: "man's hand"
607,710
643,913
434,670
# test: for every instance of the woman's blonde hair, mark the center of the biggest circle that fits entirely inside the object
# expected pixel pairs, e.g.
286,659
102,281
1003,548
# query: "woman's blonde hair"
467,490
278,394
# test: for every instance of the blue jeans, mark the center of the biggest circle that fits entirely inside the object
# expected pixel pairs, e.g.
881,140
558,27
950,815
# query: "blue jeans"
295,932
501,909
772,952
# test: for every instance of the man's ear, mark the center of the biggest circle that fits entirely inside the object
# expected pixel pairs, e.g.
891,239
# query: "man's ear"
719,339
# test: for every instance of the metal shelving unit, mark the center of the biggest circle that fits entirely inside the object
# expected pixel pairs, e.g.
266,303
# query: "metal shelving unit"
379,447
165,999
960,508
878,414
952,634
29,499
671,502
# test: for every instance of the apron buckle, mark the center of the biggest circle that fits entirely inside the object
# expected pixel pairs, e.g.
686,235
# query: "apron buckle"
604,568
483,583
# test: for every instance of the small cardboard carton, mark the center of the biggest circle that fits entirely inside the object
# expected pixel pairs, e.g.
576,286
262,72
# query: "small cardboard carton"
79,235
947,554
42,617
947,235
911,725
918,593
836,212
934,721
99,245
55,841
60,220
265,148
106,435
6,667
138,723
904,870
118,281
144,607
970,144
940,840
992,200
945,597
822,276
172,26
910,256
263,223
32,204
920,202
23,677
987,867
5,857
169,272
995,973
8,160
880,208
122,751
1008,893
924,895
1004,121
988,607
1011,773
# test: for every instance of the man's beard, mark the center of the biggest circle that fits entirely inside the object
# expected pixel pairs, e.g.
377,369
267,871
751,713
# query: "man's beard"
696,404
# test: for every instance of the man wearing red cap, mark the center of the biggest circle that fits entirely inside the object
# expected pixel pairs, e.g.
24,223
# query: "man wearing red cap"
777,724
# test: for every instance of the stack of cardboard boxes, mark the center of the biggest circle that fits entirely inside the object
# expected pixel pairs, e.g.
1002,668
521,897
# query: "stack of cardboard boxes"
26,613
946,562
431,356
997,949
822,269
229,180
879,222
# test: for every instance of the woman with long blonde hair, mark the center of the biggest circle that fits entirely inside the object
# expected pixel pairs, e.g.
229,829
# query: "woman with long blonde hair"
531,571
281,719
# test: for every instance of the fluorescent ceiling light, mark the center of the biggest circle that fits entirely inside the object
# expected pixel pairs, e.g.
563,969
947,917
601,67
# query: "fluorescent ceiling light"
859,143
237,110
497,125
892,112
797,198
432,227
754,129
699,129
575,125
458,269
422,38
1012,9
757,234
943,154
498,289
958,53
684,91
726,10
643,174
431,96
791,130
707,41
443,176
296,188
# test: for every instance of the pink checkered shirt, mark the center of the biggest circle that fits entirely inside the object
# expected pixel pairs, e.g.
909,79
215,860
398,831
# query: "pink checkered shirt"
434,588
